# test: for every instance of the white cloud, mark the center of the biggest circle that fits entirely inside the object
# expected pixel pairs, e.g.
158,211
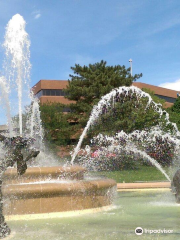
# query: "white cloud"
171,85
37,16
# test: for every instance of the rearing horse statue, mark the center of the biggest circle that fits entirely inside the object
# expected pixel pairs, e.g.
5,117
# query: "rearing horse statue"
13,147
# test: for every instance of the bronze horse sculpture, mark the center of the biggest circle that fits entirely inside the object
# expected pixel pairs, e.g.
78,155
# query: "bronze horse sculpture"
175,185
13,154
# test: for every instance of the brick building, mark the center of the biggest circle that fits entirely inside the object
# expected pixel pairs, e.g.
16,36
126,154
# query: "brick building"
52,91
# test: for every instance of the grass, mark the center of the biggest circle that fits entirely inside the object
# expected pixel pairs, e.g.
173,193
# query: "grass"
144,173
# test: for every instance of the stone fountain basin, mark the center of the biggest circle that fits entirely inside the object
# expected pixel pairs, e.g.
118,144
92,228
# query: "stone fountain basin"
152,209
34,174
54,189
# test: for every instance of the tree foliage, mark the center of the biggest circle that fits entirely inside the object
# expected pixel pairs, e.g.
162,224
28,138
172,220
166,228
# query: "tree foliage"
174,113
86,86
176,106
153,96
89,83
128,114
55,123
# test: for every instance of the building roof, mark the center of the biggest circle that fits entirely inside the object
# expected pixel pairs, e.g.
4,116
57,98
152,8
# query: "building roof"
157,90
49,84
62,84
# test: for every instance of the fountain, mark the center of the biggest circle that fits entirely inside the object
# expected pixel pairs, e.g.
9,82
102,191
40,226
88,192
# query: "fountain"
113,145
45,192
107,102
38,191
13,154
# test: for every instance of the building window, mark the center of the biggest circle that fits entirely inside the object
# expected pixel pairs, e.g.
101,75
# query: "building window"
167,99
50,92
39,94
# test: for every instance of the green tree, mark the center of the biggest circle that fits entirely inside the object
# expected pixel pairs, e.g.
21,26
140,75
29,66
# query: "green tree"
174,116
176,106
174,113
154,97
128,114
89,83
55,123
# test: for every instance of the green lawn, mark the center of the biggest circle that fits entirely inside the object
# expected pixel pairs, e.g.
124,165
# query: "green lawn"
144,173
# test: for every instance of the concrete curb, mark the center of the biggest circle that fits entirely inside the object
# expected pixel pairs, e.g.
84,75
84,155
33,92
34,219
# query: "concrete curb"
143,185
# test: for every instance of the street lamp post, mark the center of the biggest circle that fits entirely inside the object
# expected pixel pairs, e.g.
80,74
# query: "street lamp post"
130,60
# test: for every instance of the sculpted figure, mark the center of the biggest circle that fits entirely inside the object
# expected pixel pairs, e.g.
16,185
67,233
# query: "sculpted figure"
176,185
14,147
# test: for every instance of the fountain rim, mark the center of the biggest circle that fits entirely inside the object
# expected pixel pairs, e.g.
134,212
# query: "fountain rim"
77,188
11,173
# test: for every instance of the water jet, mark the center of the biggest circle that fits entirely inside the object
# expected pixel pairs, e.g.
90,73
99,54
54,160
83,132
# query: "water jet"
40,190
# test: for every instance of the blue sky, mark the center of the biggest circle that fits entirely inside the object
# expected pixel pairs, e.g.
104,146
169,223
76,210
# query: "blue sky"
65,32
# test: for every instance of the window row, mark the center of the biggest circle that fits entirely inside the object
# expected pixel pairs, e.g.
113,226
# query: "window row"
50,92
167,99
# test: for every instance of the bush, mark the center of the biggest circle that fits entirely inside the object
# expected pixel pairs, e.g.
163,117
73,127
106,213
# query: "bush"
162,148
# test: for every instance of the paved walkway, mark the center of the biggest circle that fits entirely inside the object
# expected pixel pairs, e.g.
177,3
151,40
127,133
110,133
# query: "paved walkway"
143,185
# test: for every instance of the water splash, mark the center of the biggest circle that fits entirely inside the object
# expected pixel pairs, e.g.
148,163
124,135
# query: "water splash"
144,155
17,65
131,149
107,100
4,89
144,137
121,144
36,122
17,72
